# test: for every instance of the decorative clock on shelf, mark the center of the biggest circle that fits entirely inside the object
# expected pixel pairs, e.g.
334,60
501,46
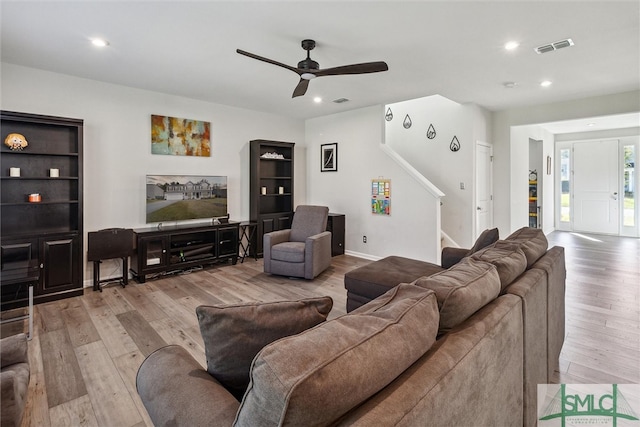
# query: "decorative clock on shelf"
533,175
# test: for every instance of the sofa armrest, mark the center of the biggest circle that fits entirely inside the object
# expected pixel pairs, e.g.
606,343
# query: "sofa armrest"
268,241
14,350
317,254
451,256
176,390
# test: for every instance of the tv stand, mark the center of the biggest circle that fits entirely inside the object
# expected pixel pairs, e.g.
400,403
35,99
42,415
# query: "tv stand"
159,250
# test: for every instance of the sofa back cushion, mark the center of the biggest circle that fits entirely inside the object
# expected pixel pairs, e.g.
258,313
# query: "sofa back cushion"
234,333
462,290
532,241
507,257
315,377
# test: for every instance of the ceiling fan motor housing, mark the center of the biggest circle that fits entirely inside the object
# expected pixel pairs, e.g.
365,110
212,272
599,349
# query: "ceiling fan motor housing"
308,63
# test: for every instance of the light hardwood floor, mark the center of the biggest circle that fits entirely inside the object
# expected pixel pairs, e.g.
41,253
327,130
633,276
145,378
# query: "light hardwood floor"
86,350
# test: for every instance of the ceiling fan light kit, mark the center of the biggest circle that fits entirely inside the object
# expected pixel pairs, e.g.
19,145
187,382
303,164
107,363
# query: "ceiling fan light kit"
309,69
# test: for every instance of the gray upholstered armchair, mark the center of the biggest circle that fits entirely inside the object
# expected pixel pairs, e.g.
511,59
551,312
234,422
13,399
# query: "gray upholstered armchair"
14,378
304,250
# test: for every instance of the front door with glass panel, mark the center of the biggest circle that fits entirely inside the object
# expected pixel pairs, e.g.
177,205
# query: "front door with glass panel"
595,190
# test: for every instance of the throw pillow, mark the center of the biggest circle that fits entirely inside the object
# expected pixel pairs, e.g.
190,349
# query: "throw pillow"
315,377
462,290
486,238
234,334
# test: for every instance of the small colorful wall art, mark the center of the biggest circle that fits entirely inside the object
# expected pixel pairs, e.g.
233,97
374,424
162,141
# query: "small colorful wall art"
381,196
180,137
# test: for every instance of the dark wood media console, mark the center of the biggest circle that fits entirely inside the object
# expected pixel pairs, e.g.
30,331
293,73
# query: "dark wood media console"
159,250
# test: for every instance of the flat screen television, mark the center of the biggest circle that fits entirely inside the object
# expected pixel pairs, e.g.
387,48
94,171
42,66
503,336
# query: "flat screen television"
185,197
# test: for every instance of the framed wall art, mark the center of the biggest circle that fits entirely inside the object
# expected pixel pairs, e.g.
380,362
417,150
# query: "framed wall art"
329,157
381,196
180,137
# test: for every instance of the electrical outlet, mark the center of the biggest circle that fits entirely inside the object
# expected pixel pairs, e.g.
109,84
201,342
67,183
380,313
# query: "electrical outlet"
364,239
462,185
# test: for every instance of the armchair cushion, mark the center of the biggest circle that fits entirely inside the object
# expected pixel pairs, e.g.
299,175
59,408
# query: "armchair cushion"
234,334
288,252
307,221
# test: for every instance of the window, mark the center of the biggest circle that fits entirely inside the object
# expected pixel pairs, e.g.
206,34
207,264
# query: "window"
565,185
629,177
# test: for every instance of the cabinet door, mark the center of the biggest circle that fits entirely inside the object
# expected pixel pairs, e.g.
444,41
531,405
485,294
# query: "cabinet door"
269,223
153,252
228,242
59,263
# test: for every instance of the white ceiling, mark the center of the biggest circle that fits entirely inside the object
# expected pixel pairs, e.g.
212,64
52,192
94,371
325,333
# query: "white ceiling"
451,48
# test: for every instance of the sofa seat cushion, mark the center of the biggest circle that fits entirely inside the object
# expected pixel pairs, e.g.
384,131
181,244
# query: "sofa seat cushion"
315,377
376,278
508,259
462,290
234,334
288,252
532,241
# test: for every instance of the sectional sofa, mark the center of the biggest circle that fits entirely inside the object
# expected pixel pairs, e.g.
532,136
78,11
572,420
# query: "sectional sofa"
465,346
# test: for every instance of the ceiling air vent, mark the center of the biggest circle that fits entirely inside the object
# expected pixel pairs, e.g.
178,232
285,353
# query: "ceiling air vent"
340,100
554,46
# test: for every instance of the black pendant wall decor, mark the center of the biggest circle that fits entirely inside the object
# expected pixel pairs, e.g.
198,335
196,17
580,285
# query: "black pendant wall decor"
455,144
407,122
389,115
431,132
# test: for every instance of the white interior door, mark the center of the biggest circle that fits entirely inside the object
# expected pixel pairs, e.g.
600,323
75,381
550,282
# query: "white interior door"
595,187
484,187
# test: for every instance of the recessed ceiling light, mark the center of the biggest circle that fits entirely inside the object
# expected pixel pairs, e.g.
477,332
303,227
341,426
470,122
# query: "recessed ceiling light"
545,83
511,45
317,100
509,85
99,42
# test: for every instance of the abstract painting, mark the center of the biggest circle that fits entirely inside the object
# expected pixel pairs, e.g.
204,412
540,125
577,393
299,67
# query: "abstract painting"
180,137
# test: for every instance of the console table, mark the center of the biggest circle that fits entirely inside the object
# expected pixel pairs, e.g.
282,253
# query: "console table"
159,250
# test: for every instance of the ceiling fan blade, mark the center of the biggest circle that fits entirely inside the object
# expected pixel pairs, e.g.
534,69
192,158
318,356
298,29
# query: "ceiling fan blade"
301,89
367,67
270,61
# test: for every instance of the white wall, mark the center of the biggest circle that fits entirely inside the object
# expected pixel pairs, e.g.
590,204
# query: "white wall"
117,146
433,158
509,166
412,228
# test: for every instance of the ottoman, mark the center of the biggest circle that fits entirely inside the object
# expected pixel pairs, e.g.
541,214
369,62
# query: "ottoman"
368,282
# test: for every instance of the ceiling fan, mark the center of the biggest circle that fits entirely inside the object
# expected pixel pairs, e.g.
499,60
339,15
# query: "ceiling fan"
309,69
